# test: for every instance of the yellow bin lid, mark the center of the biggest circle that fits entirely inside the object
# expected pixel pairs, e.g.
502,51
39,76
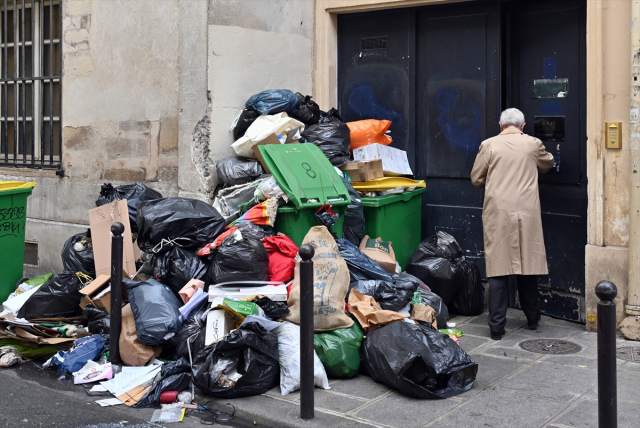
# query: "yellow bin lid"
5,186
386,183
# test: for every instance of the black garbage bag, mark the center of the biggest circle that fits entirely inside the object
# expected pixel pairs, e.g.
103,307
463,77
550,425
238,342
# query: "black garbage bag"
244,260
246,118
191,336
251,230
330,116
417,360
274,101
235,171
367,287
469,300
308,112
59,297
80,260
133,193
178,266
396,295
427,297
361,266
156,311
333,138
353,226
436,262
173,376
168,222
250,351
272,310
98,322
327,218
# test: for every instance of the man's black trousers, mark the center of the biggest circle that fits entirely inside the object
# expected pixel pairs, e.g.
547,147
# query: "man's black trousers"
499,300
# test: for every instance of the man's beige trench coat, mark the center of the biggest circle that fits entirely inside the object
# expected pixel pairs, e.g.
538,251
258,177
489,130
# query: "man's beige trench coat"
507,167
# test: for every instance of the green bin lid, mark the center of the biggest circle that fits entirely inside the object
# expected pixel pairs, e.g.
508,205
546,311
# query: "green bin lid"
389,199
305,174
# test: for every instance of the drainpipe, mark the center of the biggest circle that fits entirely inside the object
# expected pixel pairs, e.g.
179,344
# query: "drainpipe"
630,326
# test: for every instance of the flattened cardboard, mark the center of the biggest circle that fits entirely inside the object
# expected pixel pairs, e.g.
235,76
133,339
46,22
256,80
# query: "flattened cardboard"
132,351
368,312
381,252
219,324
361,171
271,139
100,220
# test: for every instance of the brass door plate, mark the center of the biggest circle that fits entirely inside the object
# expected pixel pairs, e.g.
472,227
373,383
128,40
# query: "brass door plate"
613,133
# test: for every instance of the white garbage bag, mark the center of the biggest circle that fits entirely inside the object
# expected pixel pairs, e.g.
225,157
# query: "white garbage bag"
279,124
289,356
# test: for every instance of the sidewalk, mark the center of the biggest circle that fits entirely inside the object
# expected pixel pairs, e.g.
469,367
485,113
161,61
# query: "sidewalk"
514,388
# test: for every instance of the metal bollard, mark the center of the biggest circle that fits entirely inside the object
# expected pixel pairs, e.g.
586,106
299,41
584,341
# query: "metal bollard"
607,382
306,332
117,229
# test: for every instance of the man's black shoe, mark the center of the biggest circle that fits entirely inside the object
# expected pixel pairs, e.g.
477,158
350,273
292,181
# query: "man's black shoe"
496,335
533,325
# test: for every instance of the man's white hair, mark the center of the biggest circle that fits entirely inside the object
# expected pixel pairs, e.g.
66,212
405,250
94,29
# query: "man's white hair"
512,117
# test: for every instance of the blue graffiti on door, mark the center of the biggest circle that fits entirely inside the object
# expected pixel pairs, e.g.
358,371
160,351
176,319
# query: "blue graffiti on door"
459,117
364,103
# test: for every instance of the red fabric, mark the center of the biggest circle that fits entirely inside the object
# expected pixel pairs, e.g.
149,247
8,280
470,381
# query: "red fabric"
282,252
206,250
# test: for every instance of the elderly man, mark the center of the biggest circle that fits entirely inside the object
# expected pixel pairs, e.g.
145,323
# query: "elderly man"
507,166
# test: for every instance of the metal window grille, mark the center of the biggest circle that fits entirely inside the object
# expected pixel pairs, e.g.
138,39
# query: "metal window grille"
31,253
30,83
373,43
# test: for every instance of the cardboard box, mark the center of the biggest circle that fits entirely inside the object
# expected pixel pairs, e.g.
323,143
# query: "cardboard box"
98,293
271,139
100,220
361,171
187,291
381,252
132,351
394,161
219,324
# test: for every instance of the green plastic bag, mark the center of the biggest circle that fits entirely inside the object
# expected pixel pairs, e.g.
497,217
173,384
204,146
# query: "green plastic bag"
243,308
339,350
38,280
27,351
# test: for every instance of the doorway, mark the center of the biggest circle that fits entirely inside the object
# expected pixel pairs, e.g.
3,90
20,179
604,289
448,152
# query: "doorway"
442,74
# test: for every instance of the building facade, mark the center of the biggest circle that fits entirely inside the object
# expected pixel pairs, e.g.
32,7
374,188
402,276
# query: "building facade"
126,91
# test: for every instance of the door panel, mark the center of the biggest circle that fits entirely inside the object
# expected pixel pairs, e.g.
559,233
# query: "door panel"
375,57
548,42
458,95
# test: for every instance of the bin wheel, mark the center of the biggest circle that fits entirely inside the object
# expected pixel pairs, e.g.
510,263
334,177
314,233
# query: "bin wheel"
20,282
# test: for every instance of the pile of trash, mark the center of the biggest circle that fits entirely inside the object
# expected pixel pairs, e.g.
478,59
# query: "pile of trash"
211,293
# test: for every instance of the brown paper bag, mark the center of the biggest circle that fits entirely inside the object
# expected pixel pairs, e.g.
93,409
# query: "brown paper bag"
330,284
132,352
381,252
424,313
368,313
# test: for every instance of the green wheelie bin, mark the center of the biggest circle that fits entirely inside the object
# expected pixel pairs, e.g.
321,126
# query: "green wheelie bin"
395,218
13,217
307,177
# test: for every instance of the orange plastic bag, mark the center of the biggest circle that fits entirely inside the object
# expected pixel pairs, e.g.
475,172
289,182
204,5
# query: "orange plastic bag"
369,131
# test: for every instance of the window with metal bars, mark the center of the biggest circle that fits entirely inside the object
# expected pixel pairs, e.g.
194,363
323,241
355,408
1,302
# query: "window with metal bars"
30,83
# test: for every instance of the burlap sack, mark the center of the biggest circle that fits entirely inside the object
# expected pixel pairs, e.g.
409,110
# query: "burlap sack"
330,284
